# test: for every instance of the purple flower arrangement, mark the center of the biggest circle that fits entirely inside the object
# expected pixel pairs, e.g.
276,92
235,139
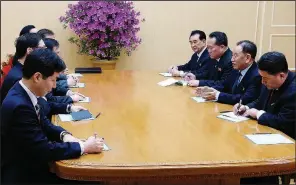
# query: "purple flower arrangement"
103,28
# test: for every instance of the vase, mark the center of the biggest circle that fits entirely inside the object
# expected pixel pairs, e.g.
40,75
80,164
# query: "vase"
104,64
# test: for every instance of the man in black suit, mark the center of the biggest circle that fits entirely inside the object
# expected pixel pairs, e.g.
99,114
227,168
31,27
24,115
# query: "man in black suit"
200,62
276,105
217,45
29,140
244,83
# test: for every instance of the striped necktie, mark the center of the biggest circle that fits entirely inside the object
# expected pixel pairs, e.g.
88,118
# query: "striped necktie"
37,107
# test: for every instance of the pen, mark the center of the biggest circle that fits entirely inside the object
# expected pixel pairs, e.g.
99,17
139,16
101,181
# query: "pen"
95,135
225,111
98,115
239,105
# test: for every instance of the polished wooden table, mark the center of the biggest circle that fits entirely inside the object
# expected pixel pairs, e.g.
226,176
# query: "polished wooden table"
161,135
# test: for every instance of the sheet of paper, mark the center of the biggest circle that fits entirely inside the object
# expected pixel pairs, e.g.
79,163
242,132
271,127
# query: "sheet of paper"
167,82
78,85
199,99
86,100
230,116
166,74
76,74
106,148
65,117
269,139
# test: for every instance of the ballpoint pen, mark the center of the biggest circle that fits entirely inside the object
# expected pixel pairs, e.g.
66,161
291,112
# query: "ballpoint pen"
238,107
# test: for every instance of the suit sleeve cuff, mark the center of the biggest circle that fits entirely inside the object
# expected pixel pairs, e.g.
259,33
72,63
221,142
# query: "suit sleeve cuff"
81,148
259,113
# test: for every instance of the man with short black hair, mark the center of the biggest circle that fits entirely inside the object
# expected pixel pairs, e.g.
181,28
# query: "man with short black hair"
200,62
46,33
29,140
276,105
217,45
244,83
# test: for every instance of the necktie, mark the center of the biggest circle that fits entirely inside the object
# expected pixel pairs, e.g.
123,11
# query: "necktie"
237,81
37,107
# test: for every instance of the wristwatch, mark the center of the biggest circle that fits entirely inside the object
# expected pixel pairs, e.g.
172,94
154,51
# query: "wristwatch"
64,133
69,108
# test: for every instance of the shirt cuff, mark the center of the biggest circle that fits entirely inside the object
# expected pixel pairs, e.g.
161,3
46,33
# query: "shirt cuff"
259,113
181,73
217,95
81,147
68,93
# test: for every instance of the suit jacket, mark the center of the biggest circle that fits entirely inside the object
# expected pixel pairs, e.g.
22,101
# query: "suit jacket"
200,68
27,143
16,74
247,90
220,71
281,108
61,88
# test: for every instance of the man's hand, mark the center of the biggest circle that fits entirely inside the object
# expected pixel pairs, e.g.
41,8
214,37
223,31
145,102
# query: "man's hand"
251,112
193,83
175,72
189,76
210,95
76,108
93,145
76,97
71,81
171,68
239,111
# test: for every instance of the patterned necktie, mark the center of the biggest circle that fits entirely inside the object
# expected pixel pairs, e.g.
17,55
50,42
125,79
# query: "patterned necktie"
236,82
37,107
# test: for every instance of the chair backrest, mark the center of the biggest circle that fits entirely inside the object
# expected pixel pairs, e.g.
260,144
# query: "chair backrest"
5,68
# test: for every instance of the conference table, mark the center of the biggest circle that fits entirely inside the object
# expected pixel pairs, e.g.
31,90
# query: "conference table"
160,135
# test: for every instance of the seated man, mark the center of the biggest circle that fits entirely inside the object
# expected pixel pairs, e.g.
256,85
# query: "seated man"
63,81
29,140
276,105
218,50
24,45
243,84
46,33
200,62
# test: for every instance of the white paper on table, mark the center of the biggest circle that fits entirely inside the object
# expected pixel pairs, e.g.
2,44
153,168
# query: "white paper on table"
268,139
86,100
166,74
106,148
78,85
230,116
76,74
199,99
65,117
167,82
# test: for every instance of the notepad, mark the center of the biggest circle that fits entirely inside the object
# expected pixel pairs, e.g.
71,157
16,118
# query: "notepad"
167,82
199,99
78,85
85,100
65,117
81,115
182,83
166,74
268,139
230,116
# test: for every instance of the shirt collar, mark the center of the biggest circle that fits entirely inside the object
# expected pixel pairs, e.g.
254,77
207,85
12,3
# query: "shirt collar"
243,72
218,59
30,93
199,54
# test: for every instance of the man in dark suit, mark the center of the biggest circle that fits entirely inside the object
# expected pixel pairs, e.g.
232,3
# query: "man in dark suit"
217,45
244,83
200,62
29,140
276,105
25,44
